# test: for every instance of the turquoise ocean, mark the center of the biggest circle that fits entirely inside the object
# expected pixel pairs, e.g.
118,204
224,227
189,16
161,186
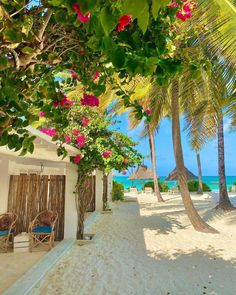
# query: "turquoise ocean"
212,181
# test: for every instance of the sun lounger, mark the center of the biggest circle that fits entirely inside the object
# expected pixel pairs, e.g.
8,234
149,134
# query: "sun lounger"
133,190
148,190
174,190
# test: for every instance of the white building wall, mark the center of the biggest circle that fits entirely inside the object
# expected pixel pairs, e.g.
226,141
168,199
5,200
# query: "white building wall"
70,206
109,189
99,191
4,183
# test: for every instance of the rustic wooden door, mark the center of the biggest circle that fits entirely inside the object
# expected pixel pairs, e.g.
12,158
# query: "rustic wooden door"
31,194
91,193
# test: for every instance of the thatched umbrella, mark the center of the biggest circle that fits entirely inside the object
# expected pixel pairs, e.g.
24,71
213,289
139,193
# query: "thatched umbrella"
142,173
174,176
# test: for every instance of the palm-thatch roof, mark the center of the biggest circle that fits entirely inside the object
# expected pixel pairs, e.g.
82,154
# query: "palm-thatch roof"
173,175
142,173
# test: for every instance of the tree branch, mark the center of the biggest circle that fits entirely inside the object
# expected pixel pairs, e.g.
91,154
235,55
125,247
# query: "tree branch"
44,26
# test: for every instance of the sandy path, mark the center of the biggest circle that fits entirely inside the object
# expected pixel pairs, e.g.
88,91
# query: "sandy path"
145,248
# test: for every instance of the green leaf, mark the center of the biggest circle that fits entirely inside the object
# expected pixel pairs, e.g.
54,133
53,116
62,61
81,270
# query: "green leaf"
118,58
138,9
11,35
108,21
3,63
27,50
157,4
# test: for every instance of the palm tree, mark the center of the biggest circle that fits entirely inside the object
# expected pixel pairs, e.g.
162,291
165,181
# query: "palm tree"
192,213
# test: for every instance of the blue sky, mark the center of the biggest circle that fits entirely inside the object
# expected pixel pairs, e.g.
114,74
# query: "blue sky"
164,150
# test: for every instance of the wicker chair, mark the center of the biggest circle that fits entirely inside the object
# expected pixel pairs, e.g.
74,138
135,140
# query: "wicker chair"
42,230
7,230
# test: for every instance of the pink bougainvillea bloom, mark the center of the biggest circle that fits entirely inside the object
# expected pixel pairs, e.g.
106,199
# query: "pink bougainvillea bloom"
75,132
81,17
55,104
66,103
148,112
90,100
174,4
77,159
85,121
96,75
80,140
106,154
183,16
49,131
73,75
41,114
125,20
67,139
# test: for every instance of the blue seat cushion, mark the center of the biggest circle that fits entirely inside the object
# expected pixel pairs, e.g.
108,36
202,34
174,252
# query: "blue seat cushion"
42,229
5,232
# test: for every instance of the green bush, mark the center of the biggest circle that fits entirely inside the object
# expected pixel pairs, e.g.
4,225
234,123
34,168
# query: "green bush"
162,185
234,183
117,191
193,186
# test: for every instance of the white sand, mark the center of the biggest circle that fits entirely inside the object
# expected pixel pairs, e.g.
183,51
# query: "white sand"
146,248
14,265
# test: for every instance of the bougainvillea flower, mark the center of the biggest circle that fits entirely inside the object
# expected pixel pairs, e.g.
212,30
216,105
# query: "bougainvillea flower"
41,114
124,172
77,159
66,103
49,131
96,75
85,121
73,75
82,52
67,139
55,104
183,15
106,154
125,20
174,4
148,112
75,132
90,100
81,17
80,140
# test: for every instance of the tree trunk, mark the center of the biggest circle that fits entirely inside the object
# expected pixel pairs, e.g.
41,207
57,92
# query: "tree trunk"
224,202
154,167
192,213
200,185
81,204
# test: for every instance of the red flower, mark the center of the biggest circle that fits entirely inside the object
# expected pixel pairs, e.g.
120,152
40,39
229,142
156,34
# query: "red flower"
85,121
82,52
80,140
77,159
49,131
183,16
106,154
90,100
82,18
66,103
96,75
55,104
125,20
73,75
67,139
148,112
75,132
41,114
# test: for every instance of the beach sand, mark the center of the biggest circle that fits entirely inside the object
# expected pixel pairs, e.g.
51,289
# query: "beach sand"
146,248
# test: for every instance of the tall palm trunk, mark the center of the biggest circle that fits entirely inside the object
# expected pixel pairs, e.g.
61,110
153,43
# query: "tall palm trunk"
200,186
192,213
154,168
224,201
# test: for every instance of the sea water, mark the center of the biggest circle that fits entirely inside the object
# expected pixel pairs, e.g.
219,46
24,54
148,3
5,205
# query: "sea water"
212,181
